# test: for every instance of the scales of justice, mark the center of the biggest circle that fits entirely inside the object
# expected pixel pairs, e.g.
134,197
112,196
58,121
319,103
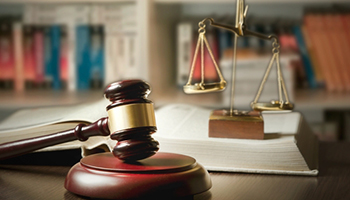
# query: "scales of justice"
246,124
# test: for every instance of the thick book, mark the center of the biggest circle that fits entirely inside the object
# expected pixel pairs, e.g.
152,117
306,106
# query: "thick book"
289,146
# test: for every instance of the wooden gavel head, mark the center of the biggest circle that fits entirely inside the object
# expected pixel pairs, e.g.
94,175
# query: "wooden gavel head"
131,120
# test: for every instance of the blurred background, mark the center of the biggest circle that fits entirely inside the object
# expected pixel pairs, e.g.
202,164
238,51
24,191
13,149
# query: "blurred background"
65,52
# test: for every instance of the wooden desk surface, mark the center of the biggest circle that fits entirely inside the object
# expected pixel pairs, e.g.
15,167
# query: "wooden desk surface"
333,181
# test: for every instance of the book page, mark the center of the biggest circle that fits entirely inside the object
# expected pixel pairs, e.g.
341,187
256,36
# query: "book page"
36,117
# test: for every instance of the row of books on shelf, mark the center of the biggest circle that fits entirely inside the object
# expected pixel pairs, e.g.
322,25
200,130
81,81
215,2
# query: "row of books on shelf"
326,46
314,50
67,47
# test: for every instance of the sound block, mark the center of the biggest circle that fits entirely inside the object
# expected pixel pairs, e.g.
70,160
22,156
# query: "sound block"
164,174
240,125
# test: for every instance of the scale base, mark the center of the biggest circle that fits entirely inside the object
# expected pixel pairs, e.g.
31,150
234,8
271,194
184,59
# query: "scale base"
240,125
164,174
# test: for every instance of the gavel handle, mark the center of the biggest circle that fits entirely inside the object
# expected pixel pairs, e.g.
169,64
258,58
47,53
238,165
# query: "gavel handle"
81,132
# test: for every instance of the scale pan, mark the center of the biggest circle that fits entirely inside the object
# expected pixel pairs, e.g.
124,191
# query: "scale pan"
272,106
204,88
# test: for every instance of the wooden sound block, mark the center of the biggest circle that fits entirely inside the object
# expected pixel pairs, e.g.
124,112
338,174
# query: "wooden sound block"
164,174
242,125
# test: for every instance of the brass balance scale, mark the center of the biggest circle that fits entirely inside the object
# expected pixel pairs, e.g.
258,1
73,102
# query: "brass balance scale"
233,123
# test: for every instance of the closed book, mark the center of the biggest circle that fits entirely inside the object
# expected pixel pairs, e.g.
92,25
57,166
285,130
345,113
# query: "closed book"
210,72
314,24
310,75
63,57
97,56
131,70
312,55
39,55
336,66
83,57
114,57
184,51
342,48
29,56
48,66
345,19
225,40
18,56
55,56
7,63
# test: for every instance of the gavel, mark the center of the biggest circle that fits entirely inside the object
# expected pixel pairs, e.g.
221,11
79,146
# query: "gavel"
131,121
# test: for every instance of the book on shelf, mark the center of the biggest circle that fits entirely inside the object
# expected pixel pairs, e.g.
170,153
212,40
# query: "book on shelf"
329,56
120,40
52,36
18,56
7,62
250,69
187,38
320,64
310,75
82,54
289,146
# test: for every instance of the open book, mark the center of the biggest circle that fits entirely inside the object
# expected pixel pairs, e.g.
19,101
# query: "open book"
33,122
289,146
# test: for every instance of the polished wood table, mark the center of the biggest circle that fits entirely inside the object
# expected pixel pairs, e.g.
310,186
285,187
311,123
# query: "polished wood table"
32,177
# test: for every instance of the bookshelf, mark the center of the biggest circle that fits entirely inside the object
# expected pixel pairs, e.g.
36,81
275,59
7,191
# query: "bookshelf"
155,30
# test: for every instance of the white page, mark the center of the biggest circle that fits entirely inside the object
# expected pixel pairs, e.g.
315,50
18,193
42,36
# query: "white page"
35,117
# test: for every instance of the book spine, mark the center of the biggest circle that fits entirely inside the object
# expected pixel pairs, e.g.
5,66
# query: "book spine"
97,57
313,57
131,70
112,57
184,47
6,55
333,51
63,61
133,67
39,55
342,49
225,41
55,56
305,57
315,28
210,73
83,57
197,65
48,58
70,16
345,19
110,18
72,75
18,54
29,56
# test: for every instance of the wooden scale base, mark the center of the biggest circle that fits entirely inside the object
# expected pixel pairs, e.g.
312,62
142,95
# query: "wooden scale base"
239,125
164,174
